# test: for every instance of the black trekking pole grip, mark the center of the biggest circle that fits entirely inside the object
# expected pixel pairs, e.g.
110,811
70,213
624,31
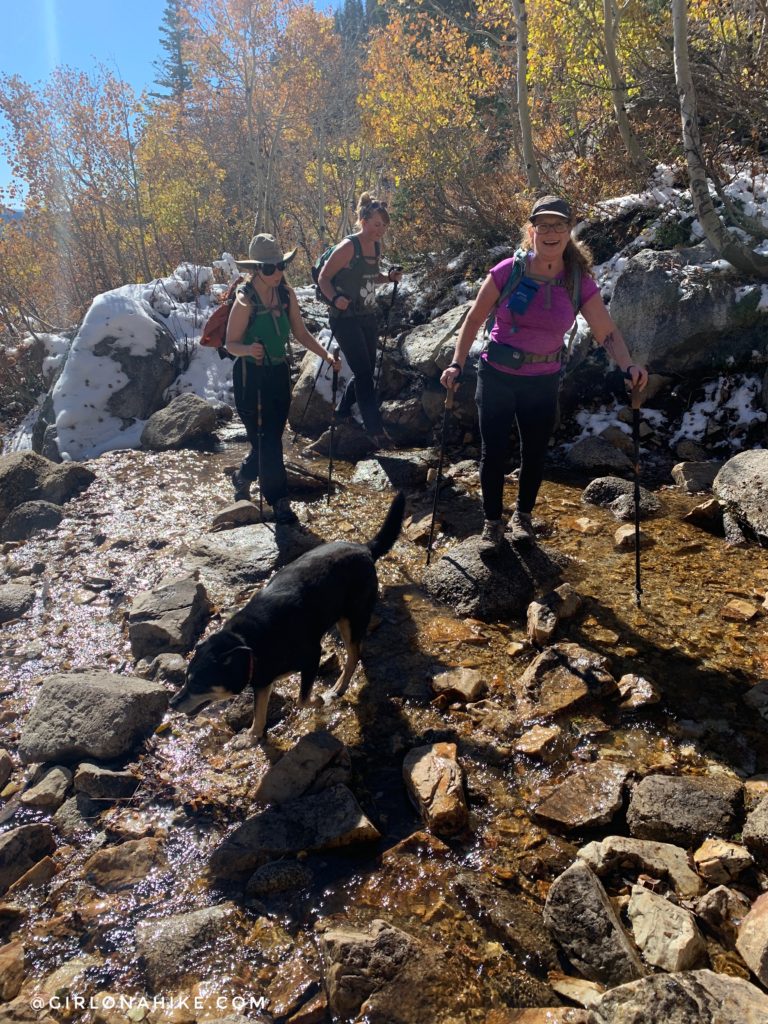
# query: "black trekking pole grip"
448,405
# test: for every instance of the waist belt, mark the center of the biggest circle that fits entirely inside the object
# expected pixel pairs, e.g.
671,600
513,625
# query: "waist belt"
506,355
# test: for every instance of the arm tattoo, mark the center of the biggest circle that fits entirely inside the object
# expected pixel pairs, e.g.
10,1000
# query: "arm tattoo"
609,344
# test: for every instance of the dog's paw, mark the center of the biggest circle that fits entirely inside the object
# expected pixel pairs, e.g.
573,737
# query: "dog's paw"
245,741
312,702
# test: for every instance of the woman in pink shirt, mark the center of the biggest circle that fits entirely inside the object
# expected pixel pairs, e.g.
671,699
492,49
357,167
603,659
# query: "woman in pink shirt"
519,373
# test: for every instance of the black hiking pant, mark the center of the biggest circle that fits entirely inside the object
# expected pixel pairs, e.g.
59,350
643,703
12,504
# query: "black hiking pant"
357,337
504,399
273,385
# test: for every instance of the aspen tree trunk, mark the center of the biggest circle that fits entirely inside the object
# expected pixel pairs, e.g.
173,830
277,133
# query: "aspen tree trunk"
725,244
523,108
618,91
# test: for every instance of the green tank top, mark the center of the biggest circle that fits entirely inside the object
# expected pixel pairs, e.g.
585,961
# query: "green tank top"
358,281
270,328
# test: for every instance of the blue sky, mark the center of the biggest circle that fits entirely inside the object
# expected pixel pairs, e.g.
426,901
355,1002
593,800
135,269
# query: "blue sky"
38,35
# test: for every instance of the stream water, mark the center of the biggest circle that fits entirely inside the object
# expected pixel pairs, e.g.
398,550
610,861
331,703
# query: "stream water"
129,529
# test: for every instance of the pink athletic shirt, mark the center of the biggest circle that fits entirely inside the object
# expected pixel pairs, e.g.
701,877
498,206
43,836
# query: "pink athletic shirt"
542,327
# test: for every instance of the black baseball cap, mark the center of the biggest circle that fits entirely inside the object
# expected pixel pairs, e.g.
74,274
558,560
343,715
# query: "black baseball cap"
553,205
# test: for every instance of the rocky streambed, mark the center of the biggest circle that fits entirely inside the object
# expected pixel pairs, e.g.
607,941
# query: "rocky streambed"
538,801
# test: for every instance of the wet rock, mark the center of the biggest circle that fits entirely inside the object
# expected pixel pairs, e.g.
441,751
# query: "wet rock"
26,476
167,668
625,538
560,678
434,780
428,349
576,990
481,582
74,818
547,743
722,910
394,471
739,610
595,453
185,419
317,762
121,867
38,875
666,934
350,443
511,919
540,1015
6,767
319,821
661,860
11,970
406,420
637,692
278,876
241,513
543,615
618,496
15,599
755,832
692,997
247,555
580,916
752,940
20,849
102,784
51,790
694,477
742,486
462,684
719,862
90,714
173,946
30,517
296,982
683,810
168,618
707,516
383,975
592,795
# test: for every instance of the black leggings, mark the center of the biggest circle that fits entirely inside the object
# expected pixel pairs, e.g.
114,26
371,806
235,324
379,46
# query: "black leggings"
357,337
504,399
272,384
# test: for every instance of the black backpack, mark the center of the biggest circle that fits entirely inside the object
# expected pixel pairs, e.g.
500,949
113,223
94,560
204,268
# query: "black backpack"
324,256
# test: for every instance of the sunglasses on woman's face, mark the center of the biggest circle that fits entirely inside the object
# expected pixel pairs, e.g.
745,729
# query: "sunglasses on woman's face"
269,268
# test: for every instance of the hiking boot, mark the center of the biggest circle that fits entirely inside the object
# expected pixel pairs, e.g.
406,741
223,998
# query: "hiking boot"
283,512
521,527
493,532
242,486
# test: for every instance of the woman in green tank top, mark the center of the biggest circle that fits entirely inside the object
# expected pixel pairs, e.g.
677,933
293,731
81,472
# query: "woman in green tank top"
348,280
263,315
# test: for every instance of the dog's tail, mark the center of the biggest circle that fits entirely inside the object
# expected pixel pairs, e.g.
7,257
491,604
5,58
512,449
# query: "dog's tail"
390,530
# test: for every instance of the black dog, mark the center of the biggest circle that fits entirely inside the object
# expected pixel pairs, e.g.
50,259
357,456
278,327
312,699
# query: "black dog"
280,629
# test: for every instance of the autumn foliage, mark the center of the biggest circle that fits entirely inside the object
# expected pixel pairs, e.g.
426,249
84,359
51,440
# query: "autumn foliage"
276,116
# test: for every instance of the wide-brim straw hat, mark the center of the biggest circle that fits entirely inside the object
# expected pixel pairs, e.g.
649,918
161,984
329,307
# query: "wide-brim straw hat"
264,249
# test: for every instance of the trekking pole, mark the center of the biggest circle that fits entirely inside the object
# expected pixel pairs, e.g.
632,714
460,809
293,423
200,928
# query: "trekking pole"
386,330
446,409
334,389
259,432
635,403
297,431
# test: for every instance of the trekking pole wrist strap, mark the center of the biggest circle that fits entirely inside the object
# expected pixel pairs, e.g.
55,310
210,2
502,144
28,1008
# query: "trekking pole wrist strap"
456,366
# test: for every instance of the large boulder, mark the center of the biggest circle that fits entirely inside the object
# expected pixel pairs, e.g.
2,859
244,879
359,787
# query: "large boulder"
90,714
120,363
186,419
312,393
26,477
742,486
683,318
482,582
428,349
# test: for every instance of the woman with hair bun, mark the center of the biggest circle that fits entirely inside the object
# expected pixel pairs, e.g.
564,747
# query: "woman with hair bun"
348,280
519,372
